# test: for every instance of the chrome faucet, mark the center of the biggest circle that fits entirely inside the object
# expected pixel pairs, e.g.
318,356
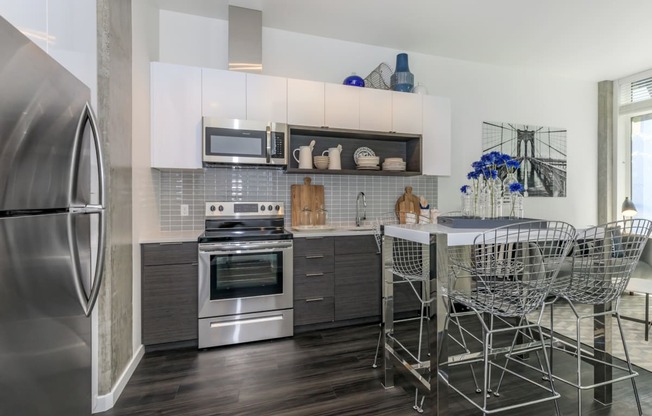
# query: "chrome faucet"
358,217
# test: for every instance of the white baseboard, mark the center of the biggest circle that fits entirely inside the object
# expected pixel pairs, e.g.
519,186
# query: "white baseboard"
107,401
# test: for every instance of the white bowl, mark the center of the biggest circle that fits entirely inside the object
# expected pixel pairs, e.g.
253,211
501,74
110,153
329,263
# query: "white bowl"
321,162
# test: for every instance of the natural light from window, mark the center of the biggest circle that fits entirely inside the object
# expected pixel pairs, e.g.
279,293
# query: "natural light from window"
642,164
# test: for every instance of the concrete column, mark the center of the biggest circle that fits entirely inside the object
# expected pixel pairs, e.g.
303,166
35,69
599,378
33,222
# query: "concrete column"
606,153
115,123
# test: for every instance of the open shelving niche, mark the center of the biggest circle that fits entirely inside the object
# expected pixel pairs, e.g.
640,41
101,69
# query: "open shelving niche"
384,145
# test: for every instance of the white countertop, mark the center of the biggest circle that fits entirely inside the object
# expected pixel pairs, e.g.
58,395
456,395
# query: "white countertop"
191,236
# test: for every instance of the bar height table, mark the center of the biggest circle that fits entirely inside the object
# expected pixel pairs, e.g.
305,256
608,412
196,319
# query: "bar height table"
435,240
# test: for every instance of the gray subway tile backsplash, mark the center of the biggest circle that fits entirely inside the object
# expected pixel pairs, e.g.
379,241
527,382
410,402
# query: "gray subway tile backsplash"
194,188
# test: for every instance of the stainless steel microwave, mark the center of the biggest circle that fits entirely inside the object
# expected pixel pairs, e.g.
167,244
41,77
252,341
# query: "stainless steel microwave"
244,142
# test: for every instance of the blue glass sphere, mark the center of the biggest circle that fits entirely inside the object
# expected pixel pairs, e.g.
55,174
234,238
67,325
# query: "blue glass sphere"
354,80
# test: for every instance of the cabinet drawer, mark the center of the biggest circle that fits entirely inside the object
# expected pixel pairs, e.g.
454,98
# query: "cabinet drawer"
313,246
313,285
313,310
356,244
313,264
169,253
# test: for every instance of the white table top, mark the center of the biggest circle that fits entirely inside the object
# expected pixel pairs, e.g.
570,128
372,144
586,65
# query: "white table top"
420,233
639,285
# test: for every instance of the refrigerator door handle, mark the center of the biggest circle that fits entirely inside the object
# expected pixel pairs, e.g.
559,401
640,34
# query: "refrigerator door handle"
87,117
88,302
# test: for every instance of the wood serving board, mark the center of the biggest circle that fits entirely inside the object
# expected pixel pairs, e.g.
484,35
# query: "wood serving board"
407,203
306,195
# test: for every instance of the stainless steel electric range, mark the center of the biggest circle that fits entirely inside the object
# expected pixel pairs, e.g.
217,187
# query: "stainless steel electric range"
245,274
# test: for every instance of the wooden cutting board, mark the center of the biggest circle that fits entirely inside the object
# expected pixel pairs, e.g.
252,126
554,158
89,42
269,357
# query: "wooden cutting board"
407,203
306,195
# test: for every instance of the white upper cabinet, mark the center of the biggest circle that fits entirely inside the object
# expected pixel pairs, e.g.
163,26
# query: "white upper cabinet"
375,110
406,112
181,95
266,98
436,136
305,102
176,108
341,106
30,17
224,94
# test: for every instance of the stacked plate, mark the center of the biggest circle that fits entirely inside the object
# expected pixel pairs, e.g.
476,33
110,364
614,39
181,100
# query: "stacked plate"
394,163
367,163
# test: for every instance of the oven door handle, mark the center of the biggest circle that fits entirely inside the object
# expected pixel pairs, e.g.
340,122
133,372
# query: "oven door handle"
212,248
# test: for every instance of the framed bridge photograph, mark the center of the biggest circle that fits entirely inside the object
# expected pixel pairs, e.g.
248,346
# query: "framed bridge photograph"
540,150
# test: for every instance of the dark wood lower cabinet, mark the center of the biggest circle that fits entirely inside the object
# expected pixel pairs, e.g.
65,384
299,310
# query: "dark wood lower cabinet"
357,286
169,293
336,281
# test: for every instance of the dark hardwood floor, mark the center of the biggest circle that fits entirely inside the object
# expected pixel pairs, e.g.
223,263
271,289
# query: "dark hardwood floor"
320,373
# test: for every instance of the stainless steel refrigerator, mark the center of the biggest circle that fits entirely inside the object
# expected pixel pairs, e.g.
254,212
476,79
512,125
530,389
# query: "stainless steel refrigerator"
52,228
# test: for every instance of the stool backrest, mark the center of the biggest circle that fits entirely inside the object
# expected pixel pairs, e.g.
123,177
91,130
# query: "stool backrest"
603,259
515,265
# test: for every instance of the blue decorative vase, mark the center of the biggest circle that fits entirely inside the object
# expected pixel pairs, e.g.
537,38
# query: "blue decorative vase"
354,80
402,79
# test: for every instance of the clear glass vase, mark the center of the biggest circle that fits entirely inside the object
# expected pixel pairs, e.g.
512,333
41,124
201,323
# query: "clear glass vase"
493,198
516,205
468,204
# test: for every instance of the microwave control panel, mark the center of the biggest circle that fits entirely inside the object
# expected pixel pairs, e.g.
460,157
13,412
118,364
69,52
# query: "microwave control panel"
278,144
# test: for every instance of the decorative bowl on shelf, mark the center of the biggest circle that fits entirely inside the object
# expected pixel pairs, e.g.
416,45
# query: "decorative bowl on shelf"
368,160
362,151
354,80
321,162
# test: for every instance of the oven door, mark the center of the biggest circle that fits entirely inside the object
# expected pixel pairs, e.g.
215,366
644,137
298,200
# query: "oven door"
244,277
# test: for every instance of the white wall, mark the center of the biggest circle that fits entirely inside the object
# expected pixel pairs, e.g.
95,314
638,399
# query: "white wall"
65,29
478,93
145,215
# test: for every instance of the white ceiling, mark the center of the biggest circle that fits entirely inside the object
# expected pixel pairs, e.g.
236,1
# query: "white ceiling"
593,40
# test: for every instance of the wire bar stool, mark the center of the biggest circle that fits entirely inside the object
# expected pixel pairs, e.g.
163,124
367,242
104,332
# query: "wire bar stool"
603,259
407,264
512,269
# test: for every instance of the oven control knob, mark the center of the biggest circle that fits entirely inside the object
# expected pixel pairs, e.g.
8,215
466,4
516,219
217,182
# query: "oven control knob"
278,207
221,208
270,208
262,207
212,208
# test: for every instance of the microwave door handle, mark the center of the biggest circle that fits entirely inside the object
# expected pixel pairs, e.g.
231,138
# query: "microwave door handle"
268,134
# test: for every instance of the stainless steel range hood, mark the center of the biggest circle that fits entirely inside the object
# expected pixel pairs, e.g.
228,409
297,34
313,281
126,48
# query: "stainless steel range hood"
245,39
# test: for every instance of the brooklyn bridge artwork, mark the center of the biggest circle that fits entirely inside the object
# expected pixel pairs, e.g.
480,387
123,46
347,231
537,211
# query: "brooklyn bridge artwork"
541,151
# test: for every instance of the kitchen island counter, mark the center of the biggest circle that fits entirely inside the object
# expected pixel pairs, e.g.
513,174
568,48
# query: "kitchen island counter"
435,240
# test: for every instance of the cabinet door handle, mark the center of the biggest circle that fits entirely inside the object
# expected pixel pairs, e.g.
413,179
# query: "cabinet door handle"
315,256
314,300
314,274
171,243
314,238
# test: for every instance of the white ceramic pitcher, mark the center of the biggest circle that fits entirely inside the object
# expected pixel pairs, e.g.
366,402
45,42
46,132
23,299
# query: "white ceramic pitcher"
334,160
305,155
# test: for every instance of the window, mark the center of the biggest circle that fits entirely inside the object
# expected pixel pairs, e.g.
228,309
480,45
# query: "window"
641,164
635,142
